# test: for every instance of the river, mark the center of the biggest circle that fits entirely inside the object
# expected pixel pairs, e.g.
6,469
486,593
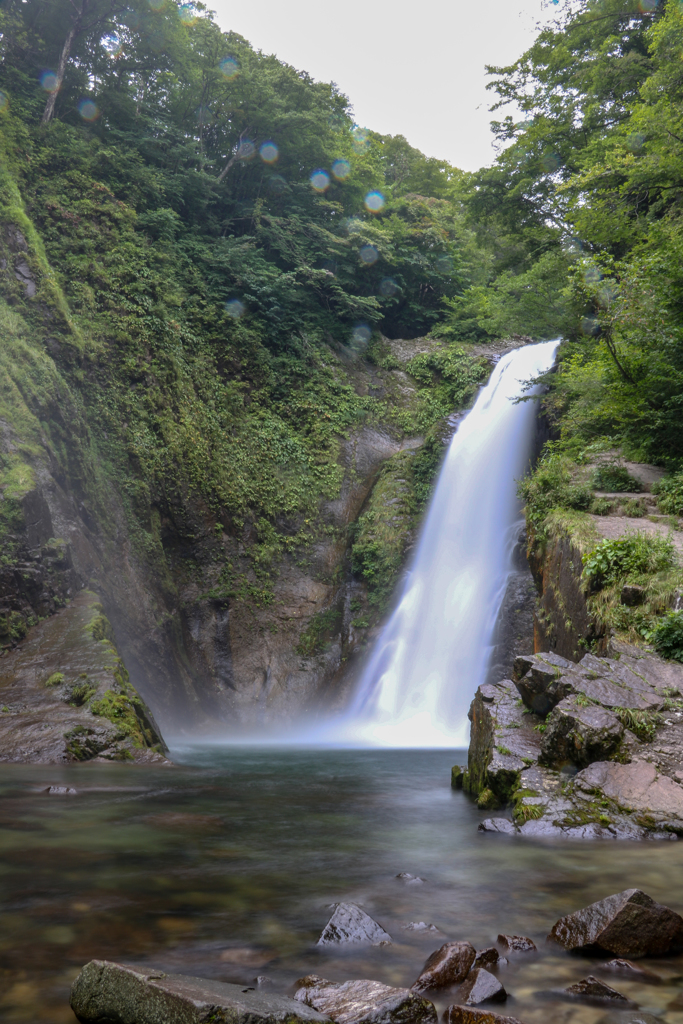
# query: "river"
225,865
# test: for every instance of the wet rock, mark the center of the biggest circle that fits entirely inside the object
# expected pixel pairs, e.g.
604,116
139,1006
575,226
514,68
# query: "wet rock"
449,965
503,741
409,879
503,825
420,926
481,986
580,734
471,1015
489,958
631,971
364,1002
591,990
516,943
457,774
61,790
351,924
632,595
629,924
105,992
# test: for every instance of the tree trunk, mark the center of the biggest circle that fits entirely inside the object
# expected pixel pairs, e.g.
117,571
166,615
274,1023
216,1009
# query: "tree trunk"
48,113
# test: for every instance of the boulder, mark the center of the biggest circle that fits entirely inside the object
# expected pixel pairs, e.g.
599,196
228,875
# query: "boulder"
502,825
579,733
628,924
106,992
543,681
480,986
447,966
635,787
631,971
516,943
351,924
364,1002
471,1015
489,958
591,990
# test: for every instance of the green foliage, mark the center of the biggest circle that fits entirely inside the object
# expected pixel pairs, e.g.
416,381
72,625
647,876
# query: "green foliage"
553,486
56,679
669,493
642,723
614,478
628,557
319,633
667,636
120,708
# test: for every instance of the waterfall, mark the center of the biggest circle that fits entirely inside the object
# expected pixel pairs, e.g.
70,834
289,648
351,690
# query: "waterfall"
433,652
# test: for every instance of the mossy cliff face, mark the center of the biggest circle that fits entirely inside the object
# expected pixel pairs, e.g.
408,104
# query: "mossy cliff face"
205,488
65,694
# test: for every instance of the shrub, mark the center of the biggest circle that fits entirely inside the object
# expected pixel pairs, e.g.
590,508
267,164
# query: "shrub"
614,478
667,636
669,493
552,486
635,554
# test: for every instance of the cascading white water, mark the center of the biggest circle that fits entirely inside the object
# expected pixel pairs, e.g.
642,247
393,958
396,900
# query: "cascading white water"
433,652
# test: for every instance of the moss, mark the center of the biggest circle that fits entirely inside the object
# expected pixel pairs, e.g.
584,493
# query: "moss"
56,679
100,628
120,709
319,632
487,800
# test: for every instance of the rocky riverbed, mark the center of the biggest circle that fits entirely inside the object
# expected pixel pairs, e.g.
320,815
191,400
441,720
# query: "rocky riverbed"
473,983
587,750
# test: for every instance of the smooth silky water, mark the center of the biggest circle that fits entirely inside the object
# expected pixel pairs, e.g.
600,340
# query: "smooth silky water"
224,867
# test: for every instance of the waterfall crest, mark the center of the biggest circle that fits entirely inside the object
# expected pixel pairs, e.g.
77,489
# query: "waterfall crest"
433,652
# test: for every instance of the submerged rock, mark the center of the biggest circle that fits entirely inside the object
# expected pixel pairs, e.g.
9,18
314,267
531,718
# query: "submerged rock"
364,1002
446,966
630,971
106,992
591,990
409,879
471,1015
629,923
517,943
351,924
480,986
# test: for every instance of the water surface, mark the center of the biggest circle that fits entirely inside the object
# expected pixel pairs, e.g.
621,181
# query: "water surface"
225,867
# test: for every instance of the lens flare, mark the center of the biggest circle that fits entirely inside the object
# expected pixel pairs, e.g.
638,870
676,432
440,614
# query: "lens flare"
4,101
229,68
368,255
388,287
590,326
361,335
341,169
647,6
635,141
269,152
550,162
592,275
360,140
156,5
187,13
113,44
444,265
88,110
353,225
48,81
374,201
320,180
234,308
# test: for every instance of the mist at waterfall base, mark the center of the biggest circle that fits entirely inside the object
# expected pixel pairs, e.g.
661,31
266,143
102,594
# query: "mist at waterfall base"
433,653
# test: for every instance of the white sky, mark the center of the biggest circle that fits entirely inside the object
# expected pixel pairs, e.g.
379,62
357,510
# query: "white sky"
409,67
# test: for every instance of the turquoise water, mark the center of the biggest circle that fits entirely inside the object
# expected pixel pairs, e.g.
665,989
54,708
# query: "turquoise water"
225,865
